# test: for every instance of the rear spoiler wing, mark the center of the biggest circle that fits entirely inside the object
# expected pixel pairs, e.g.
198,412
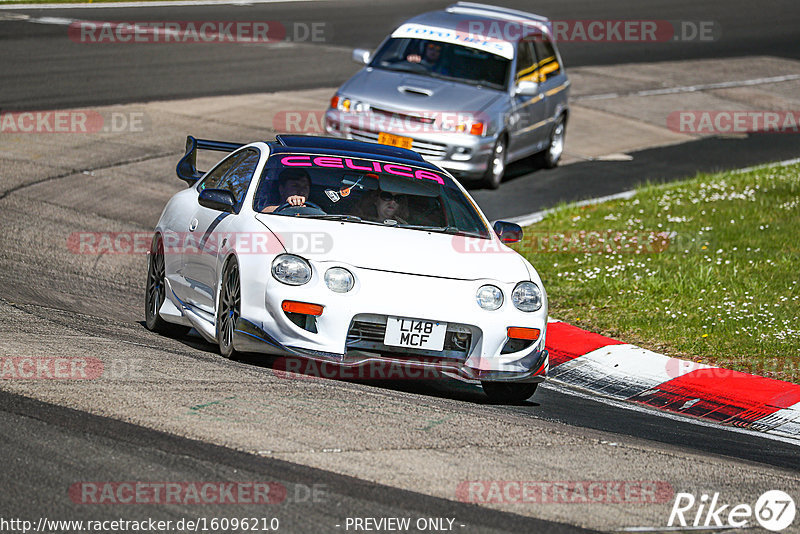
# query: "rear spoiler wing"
187,166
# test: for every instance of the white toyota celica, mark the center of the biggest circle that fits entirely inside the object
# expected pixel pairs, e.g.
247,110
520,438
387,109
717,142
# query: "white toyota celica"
347,253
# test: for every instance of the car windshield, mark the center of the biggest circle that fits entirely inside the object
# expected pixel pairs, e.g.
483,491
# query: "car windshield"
443,60
367,192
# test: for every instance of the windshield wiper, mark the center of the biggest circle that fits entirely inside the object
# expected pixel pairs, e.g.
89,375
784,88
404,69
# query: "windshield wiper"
469,81
405,67
333,217
338,217
444,230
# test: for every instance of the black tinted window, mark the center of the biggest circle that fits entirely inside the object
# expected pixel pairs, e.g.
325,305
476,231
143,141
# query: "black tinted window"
443,60
213,178
238,177
366,190
526,63
548,61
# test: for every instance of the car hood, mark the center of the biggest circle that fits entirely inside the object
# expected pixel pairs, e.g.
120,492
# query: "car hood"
399,250
401,91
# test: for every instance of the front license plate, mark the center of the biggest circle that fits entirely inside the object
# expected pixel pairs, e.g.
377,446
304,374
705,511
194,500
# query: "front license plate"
394,140
414,333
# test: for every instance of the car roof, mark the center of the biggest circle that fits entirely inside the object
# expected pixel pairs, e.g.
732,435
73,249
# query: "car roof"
457,15
346,147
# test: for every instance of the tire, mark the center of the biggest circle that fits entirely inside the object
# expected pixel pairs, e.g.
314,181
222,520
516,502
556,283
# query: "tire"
155,293
555,148
497,164
229,309
509,392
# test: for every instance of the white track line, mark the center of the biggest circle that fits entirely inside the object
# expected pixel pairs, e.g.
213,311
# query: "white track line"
536,216
110,5
690,88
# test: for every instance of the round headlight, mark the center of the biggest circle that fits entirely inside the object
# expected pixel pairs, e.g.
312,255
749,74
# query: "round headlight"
489,297
527,297
339,280
290,269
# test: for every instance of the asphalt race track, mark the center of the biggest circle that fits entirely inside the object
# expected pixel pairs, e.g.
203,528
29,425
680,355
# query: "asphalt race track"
174,410
87,74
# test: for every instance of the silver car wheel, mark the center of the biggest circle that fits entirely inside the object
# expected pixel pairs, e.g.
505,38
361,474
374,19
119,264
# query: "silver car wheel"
155,293
557,142
230,302
497,165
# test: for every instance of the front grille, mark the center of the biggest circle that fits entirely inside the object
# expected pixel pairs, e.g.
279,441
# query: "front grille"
369,335
424,148
364,331
395,116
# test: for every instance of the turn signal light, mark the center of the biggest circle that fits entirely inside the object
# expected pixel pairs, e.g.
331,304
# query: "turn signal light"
477,128
335,102
305,308
518,332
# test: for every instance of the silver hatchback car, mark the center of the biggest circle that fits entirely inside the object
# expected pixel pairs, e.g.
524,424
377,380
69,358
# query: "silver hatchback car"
471,88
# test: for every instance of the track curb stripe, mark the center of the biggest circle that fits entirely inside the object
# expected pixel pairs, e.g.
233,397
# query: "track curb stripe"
626,372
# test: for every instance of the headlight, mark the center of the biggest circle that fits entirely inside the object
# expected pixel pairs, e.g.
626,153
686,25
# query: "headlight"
346,104
339,280
489,297
291,269
527,297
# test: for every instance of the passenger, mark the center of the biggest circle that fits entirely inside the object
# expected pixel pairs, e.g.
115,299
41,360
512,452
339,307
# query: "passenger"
381,206
294,186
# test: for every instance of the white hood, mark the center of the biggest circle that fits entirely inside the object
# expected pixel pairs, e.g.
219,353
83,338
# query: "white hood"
396,249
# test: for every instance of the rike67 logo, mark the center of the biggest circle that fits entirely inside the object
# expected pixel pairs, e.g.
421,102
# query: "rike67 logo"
774,510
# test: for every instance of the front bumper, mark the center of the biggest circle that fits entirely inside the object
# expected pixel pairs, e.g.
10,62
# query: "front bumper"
488,355
248,337
462,154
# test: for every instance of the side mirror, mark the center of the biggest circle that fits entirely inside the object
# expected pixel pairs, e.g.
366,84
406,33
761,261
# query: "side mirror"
361,56
217,199
508,232
527,88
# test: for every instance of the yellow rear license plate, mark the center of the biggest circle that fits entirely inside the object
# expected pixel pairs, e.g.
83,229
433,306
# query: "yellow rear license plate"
394,140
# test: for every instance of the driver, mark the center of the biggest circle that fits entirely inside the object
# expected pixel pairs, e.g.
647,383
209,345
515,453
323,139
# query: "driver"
294,185
430,56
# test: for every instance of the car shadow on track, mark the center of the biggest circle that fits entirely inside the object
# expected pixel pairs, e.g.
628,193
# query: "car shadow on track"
440,387
514,171
290,368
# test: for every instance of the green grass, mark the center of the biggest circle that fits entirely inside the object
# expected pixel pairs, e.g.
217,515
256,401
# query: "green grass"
705,269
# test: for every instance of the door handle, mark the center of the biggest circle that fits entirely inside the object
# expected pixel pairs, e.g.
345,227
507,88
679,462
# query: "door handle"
193,225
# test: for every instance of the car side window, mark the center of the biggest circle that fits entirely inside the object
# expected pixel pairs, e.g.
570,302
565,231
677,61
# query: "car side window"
548,61
213,178
238,177
526,63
